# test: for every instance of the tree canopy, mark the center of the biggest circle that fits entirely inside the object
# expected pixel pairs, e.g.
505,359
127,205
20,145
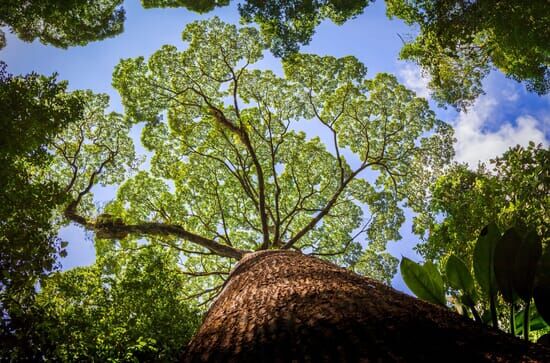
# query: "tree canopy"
33,110
64,23
129,306
230,171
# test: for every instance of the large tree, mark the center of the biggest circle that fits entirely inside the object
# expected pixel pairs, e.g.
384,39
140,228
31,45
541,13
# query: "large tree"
230,172
62,23
283,306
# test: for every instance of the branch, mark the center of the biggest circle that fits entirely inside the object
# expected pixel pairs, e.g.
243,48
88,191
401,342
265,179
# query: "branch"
243,136
325,210
117,228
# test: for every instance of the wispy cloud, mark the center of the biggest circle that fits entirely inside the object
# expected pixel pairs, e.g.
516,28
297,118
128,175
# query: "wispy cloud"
476,141
412,77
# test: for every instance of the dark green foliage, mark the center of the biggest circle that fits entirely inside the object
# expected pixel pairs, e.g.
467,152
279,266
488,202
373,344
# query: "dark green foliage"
542,286
125,308
459,275
459,278
460,40
423,280
286,24
512,262
525,266
199,6
506,250
484,266
484,258
33,109
63,23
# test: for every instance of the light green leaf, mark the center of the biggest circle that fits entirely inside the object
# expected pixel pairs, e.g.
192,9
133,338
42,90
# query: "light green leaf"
424,281
459,275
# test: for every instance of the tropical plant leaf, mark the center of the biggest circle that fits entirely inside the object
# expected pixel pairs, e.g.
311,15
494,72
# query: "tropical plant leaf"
536,322
542,287
506,251
484,258
424,281
525,266
458,275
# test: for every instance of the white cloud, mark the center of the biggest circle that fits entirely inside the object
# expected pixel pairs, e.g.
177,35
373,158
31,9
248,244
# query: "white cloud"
412,78
475,143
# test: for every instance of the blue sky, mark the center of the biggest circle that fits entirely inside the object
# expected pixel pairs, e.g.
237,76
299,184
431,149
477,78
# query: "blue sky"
505,116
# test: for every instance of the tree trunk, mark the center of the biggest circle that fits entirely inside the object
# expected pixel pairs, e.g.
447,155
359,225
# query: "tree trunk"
281,306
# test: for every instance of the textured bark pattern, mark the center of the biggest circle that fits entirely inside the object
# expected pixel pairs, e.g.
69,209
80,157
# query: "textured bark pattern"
284,306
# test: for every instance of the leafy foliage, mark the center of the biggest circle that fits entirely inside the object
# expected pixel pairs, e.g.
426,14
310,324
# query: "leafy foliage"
514,191
199,6
63,23
33,109
128,307
461,40
513,262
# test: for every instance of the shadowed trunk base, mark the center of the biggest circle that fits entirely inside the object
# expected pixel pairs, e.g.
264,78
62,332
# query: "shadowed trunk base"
280,306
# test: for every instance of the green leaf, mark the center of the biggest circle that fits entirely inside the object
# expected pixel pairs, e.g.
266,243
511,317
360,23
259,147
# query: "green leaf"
506,251
484,258
424,281
459,275
542,287
525,266
536,322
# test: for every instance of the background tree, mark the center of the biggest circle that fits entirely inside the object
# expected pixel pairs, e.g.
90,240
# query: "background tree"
33,109
460,41
62,23
129,306
514,190
286,25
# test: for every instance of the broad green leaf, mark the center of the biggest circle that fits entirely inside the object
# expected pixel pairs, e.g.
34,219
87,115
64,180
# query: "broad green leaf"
536,322
525,266
459,275
424,281
542,287
484,258
506,251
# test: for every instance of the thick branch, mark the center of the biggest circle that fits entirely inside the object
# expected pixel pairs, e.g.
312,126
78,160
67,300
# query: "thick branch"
119,228
261,183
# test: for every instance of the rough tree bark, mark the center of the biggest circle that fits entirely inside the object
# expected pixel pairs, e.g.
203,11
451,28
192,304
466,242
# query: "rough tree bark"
282,306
